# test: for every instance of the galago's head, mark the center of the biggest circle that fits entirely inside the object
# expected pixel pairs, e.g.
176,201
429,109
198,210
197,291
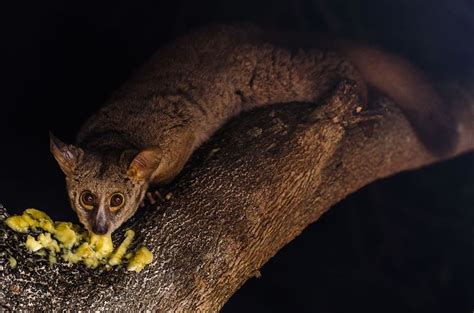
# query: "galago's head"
105,188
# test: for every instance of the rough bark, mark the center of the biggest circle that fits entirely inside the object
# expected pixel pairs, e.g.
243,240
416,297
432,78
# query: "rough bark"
248,192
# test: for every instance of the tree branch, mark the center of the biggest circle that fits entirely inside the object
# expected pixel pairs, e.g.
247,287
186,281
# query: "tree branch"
247,193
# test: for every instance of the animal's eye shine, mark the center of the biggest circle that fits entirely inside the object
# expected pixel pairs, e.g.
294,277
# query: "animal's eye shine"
116,201
87,200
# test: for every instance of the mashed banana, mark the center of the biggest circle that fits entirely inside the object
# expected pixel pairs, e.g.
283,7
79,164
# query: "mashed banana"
75,245
142,257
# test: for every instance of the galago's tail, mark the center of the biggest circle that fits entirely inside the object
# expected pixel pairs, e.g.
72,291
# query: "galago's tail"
413,92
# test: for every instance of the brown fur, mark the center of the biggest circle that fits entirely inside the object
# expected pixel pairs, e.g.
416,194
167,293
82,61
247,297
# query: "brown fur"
188,89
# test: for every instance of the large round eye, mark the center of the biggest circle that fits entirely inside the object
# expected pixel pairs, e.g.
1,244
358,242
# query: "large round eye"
116,201
87,200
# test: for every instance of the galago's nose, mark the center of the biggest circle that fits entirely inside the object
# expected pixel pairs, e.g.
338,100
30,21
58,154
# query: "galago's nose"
100,225
100,228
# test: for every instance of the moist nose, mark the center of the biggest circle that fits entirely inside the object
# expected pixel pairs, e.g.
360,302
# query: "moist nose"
100,229
100,226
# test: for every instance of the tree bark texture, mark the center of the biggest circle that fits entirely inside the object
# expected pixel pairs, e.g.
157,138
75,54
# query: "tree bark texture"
245,194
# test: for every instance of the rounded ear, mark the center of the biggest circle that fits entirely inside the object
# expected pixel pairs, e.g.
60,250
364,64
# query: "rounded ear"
66,155
144,164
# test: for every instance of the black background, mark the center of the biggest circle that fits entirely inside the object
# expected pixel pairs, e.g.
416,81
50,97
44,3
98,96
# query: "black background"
404,244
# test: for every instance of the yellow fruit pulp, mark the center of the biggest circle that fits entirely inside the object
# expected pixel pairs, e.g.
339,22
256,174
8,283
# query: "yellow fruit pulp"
74,244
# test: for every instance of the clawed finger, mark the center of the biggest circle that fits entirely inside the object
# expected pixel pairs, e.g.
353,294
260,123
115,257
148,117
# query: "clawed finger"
150,197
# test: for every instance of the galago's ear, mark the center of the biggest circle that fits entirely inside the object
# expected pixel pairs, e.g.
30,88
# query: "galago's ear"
144,164
66,155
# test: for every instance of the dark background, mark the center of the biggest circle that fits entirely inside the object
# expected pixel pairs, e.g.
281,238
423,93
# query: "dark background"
404,244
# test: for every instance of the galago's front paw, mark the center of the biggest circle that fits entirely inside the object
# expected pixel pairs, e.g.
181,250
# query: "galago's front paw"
152,197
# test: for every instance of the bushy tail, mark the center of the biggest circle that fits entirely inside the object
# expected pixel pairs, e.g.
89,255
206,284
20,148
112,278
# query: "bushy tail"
425,108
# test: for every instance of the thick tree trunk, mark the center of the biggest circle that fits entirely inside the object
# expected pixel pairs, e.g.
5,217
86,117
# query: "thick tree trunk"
248,192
